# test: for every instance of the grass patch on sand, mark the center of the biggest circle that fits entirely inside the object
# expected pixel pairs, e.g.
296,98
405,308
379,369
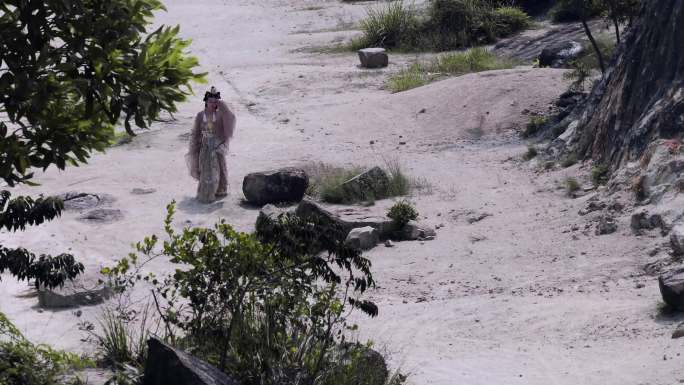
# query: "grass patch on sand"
326,183
451,64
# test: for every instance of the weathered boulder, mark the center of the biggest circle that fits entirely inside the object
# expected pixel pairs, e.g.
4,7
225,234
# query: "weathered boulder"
677,239
558,54
283,185
643,220
373,57
80,201
363,238
416,230
169,366
370,184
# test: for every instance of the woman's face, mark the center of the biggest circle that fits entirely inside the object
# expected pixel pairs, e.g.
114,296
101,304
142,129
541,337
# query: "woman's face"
212,104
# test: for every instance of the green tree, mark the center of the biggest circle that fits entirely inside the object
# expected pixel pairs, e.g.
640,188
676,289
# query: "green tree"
70,70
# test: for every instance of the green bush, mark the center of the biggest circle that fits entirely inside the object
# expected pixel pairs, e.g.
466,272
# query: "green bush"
535,124
389,26
267,308
571,185
530,153
573,10
599,175
510,20
569,160
414,76
402,213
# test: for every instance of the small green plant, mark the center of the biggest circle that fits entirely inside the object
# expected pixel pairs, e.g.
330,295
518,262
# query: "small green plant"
412,77
402,213
531,153
535,124
23,363
569,160
571,186
510,20
599,175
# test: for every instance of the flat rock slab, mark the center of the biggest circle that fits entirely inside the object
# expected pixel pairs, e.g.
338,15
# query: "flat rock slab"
143,191
72,297
276,186
373,58
102,215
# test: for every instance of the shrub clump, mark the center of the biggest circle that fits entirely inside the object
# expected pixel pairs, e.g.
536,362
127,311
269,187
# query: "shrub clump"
402,213
599,175
571,186
535,124
531,153
446,25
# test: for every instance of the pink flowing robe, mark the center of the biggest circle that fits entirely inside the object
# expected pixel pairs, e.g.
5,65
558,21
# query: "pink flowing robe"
206,158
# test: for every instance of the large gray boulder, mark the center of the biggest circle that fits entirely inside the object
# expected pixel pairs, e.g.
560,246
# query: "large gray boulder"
416,230
558,54
677,239
276,186
169,366
370,184
363,238
672,288
373,57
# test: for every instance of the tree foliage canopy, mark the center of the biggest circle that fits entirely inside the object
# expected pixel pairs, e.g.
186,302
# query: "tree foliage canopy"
69,71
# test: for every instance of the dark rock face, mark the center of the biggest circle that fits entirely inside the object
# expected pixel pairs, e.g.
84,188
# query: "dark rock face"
559,54
284,185
373,57
169,366
672,288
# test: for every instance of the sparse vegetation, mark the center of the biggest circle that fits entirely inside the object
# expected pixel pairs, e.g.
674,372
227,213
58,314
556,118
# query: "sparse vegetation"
599,175
326,183
267,308
531,153
23,363
402,213
452,64
571,186
535,124
446,25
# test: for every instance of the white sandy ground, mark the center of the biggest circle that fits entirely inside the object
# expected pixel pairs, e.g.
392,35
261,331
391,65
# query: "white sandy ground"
517,298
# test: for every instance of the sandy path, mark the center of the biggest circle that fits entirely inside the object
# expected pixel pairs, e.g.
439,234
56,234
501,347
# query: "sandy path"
516,298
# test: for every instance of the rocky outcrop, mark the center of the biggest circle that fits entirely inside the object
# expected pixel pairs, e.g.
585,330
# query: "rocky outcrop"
558,55
70,297
169,366
677,239
672,288
283,185
373,58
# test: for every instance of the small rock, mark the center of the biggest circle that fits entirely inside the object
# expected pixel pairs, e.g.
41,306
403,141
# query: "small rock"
389,243
373,57
558,54
679,332
640,285
477,217
606,225
422,111
672,288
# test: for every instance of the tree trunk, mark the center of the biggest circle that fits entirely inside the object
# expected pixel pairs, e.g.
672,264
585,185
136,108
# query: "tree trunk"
641,96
